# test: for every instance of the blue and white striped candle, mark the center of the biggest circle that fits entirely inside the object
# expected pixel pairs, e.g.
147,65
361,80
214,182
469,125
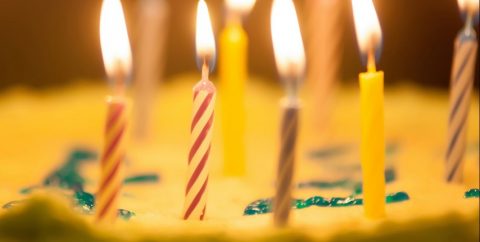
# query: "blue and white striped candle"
461,85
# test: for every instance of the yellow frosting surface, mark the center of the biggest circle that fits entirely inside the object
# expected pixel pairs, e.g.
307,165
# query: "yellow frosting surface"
37,130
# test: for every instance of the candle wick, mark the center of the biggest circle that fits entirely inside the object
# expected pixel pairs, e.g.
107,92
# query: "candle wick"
205,70
234,17
469,22
371,67
119,79
291,88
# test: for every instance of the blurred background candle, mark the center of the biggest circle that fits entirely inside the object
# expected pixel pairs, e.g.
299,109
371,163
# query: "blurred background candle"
324,46
372,147
233,76
118,61
149,62
461,85
201,130
66,65
290,60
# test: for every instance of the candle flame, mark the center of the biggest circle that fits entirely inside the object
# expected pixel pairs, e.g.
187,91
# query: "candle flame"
205,42
470,6
114,41
287,39
240,6
369,33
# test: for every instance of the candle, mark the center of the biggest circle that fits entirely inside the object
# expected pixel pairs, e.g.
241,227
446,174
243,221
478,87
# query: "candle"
461,84
290,60
149,62
372,148
325,28
233,75
202,122
117,59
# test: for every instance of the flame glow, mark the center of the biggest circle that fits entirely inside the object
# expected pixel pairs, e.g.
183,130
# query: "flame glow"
468,6
241,6
114,40
367,26
287,39
205,42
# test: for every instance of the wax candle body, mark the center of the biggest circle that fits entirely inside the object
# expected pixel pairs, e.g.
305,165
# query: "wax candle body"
372,143
233,75
461,85
112,163
286,165
201,139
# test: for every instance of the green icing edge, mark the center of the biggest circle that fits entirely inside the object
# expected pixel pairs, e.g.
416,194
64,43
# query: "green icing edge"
263,206
472,193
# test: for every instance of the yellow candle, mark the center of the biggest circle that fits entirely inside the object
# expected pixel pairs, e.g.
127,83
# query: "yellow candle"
233,76
372,153
372,147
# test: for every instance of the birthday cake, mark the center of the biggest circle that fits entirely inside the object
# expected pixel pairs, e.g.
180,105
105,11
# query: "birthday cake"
49,177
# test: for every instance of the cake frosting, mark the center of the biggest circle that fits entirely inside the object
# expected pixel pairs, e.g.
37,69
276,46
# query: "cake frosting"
40,130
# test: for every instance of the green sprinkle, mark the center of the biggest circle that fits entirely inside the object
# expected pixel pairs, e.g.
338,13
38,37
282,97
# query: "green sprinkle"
299,204
144,178
28,190
68,176
358,189
125,214
472,193
329,151
356,186
263,206
318,201
332,151
345,202
397,197
84,200
325,184
12,204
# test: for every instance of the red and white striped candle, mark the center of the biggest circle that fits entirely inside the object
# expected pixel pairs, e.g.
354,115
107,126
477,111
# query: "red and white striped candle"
201,139
117,59
112,163
204,94
461,85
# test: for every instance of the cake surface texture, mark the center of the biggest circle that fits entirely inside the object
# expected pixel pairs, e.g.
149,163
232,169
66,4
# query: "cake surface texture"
41,129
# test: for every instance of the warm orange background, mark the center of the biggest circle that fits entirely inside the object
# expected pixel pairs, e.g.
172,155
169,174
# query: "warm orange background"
45,42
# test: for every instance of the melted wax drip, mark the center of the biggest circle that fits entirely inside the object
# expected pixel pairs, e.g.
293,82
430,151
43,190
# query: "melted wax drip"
265,205
472,193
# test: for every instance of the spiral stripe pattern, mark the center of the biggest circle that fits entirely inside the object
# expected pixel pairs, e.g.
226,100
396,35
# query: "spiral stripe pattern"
286,165
112,160
463,72
198,165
